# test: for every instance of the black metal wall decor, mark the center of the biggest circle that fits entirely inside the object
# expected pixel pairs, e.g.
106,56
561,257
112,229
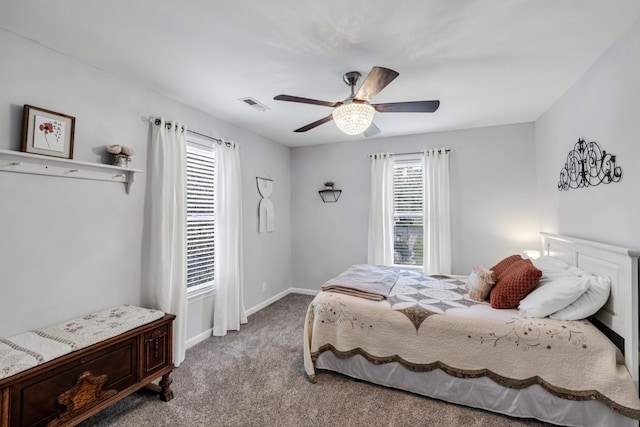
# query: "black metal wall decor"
330,196
587,165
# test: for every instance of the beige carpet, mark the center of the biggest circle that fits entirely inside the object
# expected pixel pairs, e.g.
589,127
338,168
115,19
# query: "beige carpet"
255,377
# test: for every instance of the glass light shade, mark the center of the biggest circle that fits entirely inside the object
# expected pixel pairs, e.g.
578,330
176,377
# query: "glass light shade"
353,118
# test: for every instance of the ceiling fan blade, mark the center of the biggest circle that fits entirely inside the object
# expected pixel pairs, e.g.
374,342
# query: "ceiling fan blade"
371,130
377,79
305,100
315,124
407,107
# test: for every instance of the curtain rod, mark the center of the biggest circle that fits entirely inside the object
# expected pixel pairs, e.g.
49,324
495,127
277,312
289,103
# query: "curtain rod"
218,140
446,150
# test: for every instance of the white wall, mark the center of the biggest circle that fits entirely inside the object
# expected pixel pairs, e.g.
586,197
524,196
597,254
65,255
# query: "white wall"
493,199
69,247
603,106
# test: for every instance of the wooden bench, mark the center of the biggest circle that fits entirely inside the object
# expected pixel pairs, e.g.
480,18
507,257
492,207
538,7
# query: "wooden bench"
77,385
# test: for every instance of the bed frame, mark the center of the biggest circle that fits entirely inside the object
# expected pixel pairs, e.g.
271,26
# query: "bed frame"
73,387
620,314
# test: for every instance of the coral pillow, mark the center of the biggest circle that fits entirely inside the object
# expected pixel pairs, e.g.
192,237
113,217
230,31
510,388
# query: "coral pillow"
480,282
502,266
514,284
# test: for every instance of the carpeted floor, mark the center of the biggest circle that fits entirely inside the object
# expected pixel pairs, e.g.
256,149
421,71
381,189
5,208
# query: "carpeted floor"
255,377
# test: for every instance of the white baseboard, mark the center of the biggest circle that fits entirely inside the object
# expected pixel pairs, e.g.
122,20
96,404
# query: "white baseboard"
278,296
208,333
199,338
267,302
313,292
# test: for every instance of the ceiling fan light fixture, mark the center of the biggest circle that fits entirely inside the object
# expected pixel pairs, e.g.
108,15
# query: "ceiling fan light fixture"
353,118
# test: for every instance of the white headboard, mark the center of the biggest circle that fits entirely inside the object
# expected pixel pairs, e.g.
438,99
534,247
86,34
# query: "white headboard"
620,314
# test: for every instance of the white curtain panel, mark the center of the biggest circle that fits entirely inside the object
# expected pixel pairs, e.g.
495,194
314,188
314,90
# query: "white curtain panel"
437,212
380,250
166,271
229,310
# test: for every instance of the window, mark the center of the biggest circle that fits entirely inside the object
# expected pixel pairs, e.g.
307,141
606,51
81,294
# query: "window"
408,212
200,214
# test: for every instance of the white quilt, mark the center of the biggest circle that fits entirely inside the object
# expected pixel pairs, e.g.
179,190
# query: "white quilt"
429,323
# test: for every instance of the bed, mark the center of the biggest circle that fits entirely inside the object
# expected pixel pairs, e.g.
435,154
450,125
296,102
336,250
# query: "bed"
427,338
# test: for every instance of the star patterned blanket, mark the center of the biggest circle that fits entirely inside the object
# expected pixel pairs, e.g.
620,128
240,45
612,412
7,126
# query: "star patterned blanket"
430,323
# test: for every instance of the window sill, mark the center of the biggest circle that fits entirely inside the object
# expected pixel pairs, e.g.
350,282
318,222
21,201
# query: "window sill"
408,267
201,293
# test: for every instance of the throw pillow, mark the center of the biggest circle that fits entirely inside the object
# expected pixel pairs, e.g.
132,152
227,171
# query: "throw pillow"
480,282
502,266
514,284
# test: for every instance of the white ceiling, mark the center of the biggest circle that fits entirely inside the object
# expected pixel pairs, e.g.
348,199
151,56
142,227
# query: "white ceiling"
489,62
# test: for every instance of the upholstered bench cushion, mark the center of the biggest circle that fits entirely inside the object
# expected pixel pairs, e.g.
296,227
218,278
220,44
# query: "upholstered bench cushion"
29,349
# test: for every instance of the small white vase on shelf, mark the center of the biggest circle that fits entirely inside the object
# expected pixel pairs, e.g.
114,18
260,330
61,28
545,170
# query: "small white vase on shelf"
121,160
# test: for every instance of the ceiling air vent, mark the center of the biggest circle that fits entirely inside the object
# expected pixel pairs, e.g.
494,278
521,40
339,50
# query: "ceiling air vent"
254,103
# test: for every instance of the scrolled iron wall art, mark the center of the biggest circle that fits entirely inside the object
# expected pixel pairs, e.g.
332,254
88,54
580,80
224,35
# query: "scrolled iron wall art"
587,165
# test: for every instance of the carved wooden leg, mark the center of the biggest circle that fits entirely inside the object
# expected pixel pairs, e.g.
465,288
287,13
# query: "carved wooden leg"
4,407
166,394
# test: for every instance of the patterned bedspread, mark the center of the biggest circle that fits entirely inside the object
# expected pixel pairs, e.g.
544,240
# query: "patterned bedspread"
24,351
429,323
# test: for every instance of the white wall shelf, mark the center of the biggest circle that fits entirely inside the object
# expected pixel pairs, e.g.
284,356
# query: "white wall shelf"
17,161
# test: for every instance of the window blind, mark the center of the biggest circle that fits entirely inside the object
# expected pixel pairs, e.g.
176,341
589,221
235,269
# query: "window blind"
408,212
200,216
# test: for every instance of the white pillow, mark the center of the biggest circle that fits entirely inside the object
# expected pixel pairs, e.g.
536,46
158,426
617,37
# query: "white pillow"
554,295
554,268
588,303
549,263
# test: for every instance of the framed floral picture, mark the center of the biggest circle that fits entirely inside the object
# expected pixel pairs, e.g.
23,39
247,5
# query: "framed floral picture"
47,132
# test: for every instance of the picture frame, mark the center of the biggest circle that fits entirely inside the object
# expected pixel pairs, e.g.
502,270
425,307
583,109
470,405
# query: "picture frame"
47,132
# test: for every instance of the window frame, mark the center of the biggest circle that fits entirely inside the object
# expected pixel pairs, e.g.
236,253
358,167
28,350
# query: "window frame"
205,289
408,159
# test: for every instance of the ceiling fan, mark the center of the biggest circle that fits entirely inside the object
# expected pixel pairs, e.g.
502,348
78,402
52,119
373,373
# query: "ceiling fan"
354,115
